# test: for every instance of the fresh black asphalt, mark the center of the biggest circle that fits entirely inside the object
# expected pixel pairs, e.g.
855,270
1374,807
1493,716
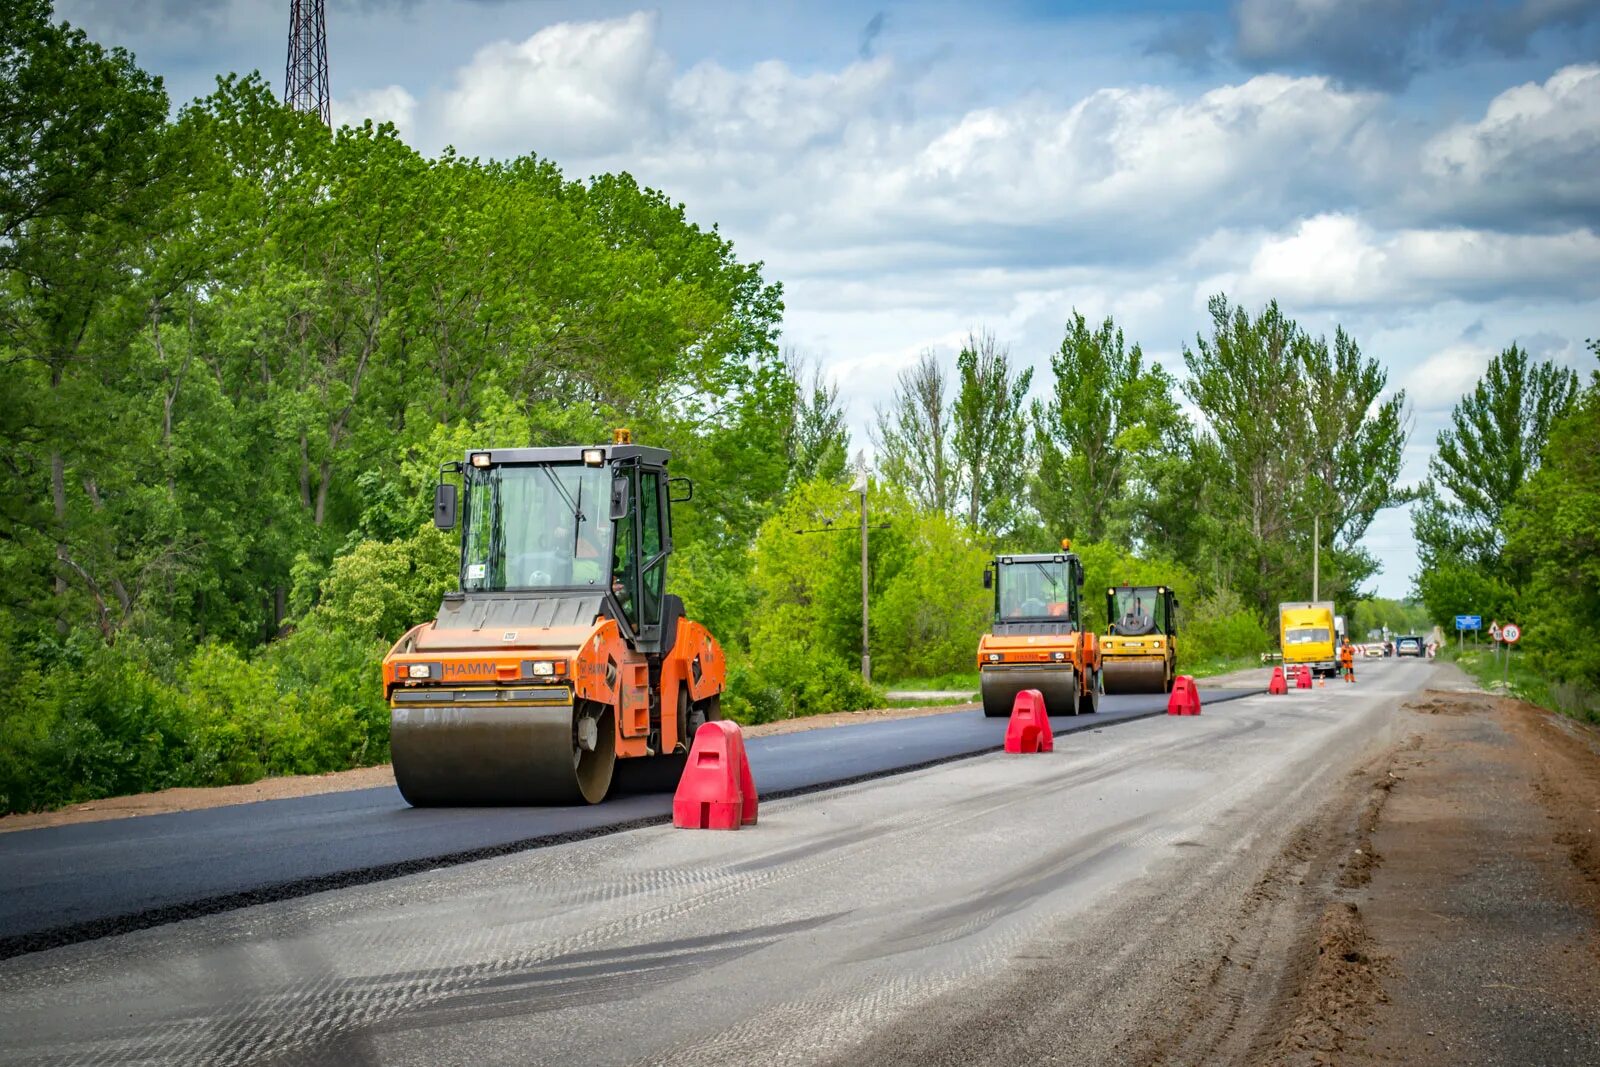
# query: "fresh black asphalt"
64,884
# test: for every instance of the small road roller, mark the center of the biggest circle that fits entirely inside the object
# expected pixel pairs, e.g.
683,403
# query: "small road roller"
1139,653
1037,639
562,651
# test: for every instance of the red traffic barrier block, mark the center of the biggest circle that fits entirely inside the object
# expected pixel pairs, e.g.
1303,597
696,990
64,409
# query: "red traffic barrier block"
1029,728
1279,683
1185,698
716,791
1302,678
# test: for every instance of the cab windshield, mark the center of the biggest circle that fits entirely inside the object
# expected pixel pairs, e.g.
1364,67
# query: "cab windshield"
1139,610
1308,635
535,526
1034,589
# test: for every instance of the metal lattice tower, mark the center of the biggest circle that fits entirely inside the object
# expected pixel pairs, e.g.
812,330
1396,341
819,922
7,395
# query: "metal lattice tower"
305,78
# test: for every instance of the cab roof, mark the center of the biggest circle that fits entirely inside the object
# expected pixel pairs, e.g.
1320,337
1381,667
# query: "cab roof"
651,457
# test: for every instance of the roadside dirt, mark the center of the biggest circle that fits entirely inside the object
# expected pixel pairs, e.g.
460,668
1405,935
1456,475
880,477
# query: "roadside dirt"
1464,925
171,800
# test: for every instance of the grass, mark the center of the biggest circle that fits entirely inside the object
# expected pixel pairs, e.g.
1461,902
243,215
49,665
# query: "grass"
1218,665
1527,684
956,681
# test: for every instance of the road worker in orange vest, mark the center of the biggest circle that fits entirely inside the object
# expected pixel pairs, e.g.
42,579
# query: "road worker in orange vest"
1347,660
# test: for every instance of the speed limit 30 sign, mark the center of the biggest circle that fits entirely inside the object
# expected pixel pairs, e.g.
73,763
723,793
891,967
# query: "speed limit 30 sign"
1510,633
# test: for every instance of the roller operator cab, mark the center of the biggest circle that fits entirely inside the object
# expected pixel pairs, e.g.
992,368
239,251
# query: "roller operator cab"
1139,653
1037,639
562,651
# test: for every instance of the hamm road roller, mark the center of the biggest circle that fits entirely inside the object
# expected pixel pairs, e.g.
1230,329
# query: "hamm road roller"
1037,640
1139,653
562,651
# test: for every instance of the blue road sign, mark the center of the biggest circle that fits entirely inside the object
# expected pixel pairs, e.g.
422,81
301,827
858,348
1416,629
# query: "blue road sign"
1469,622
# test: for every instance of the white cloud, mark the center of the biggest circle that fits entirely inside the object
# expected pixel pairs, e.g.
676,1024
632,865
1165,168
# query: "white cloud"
1439,380
1338,260
578,87
1535,153
389,104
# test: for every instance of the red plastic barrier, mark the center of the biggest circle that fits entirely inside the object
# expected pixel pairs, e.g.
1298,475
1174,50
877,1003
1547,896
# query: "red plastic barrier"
1185,698
1302,678
716,791
1029,728
1279,683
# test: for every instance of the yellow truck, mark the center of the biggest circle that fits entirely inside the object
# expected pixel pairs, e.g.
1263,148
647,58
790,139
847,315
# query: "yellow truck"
1306,635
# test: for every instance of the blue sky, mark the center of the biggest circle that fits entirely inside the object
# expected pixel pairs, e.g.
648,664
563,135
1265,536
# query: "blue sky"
1425,173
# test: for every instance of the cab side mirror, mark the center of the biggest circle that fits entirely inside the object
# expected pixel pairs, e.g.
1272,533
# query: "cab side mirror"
444,506
680,490
988,578
619,498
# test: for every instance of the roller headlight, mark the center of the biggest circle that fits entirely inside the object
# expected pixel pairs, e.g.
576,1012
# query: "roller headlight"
543,670
419,670
994,657
1058,656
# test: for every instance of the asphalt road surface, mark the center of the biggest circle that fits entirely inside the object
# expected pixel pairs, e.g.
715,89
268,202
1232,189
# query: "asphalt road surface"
999,909
70,883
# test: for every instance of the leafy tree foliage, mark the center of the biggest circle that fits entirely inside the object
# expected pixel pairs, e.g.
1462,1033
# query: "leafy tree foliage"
1110,416
239,349
1295,438
1497,433
1553,537
817,442
990,438
914,437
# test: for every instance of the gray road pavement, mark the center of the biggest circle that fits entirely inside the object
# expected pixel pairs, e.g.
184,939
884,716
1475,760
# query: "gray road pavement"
846,918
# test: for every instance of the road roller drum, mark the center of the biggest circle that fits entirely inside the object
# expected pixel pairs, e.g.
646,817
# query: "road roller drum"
502,754
1135,676
1058,685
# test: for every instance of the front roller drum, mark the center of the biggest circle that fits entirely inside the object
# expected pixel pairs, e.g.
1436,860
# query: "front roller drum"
512,755
1000,687
1134,676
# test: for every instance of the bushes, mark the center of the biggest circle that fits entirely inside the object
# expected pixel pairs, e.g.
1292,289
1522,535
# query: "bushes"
110,720
87,720
1221,627
931,612
793,681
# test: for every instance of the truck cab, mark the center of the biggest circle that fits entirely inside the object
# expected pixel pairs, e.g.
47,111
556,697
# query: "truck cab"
1306,632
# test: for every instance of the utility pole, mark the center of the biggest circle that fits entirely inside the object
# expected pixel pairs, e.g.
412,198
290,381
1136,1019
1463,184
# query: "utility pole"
860,486
1316,557
305,74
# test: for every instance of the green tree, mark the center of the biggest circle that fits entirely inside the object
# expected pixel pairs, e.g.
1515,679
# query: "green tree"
1296,435
1492,447
989,440
817,441
1110,418
1552,534
913,437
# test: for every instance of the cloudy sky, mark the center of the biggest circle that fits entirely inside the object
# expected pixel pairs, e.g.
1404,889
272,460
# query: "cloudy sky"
1426,173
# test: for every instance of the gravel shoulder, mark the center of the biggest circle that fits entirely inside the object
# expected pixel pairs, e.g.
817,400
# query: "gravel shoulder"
1464,925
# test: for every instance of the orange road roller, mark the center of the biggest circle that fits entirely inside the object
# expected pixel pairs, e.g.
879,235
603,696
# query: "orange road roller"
562,651
1037,639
